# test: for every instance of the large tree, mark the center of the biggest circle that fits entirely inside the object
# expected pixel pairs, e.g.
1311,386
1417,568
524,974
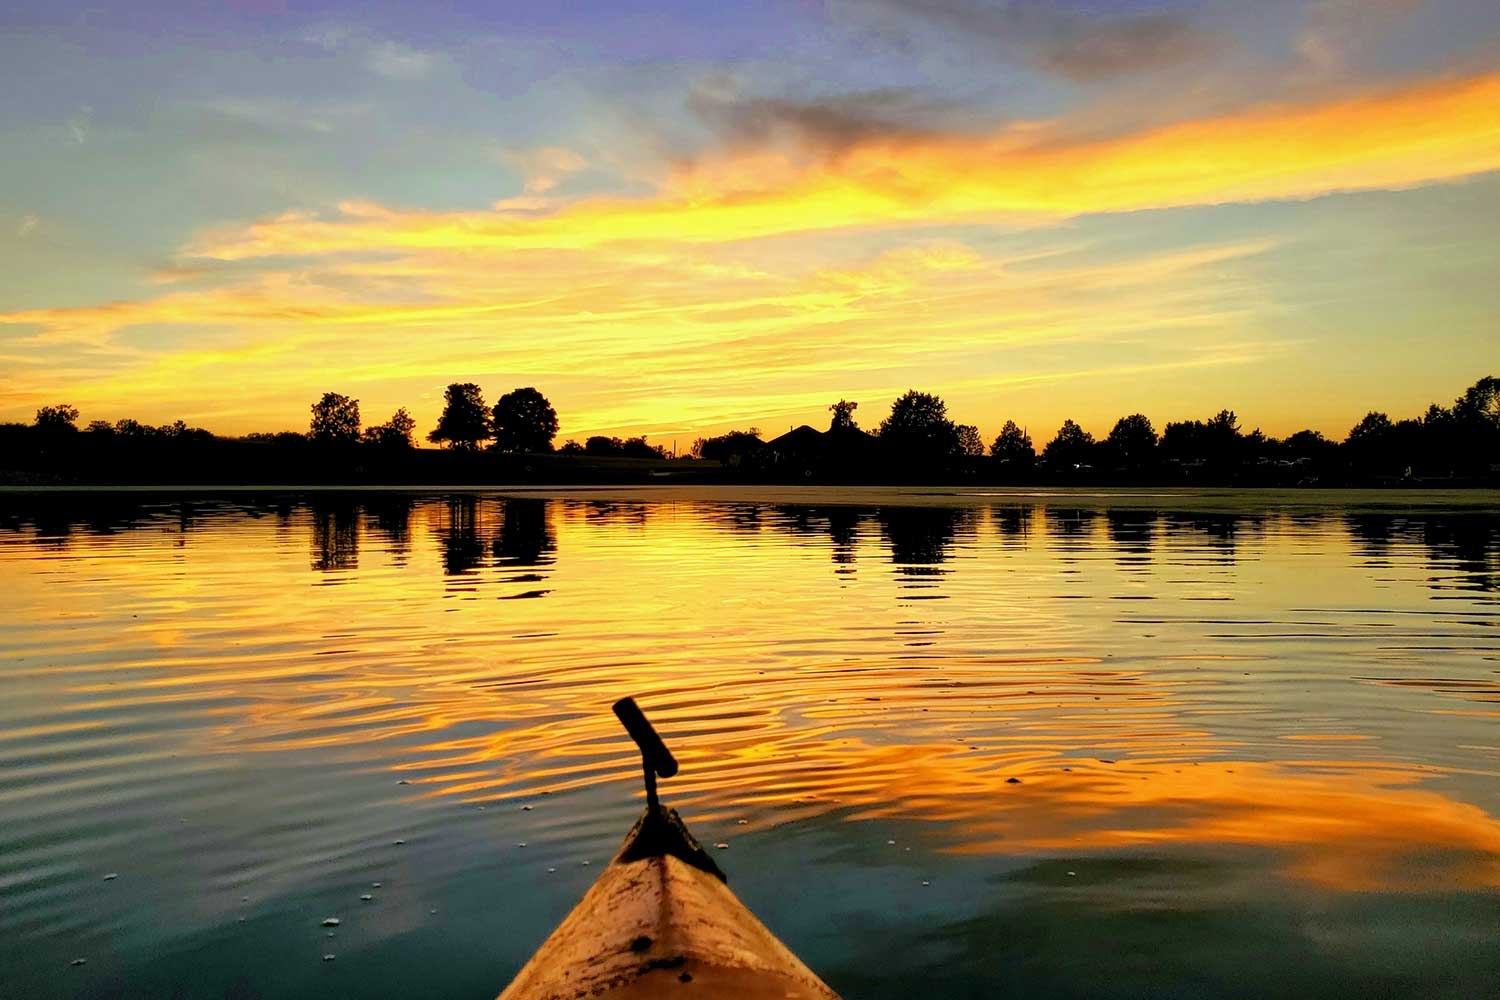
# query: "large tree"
395,432
1073,446
335,419
1132,441
524,421
732,448
843,416
918,429
970,444
1012,447
62,417
465,420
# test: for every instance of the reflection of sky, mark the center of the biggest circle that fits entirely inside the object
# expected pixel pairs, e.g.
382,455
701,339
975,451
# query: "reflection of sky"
1038,210
255,698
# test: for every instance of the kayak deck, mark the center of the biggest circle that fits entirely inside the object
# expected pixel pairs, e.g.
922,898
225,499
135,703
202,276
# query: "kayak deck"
661,921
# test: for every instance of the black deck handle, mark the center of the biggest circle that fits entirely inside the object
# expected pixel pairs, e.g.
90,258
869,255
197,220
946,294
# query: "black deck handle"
654,753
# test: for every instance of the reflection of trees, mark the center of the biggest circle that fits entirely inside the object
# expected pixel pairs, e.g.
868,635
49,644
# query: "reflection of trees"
1131,533
462,549
1218,530
920,536
614,512
391,516
742,517
187,518
335,534
839,523
843,531
1372,533
1066,522
54,525
1469,543
1012,522
525,537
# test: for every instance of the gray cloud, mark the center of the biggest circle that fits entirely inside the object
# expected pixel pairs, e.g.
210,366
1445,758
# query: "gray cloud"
1070,43
1116,48
824,126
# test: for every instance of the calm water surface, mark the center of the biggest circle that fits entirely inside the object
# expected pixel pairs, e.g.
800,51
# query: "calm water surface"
1167,746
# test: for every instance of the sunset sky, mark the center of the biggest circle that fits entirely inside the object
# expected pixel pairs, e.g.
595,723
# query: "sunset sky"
676,217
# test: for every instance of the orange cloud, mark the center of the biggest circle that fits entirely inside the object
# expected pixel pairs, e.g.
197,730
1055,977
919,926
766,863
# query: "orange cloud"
1424,133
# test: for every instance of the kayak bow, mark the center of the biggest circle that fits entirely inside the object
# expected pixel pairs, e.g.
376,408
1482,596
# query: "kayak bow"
661,920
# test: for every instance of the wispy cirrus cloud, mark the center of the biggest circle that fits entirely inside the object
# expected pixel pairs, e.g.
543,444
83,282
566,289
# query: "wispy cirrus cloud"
384,57
662,339
545,167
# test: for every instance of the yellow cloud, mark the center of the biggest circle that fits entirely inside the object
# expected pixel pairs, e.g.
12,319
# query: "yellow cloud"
1422,133
649,342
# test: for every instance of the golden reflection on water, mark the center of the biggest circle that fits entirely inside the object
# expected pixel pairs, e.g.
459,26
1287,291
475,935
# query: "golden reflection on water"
1016,678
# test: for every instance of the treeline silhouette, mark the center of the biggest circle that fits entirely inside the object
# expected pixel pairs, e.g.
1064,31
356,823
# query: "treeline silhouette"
513,441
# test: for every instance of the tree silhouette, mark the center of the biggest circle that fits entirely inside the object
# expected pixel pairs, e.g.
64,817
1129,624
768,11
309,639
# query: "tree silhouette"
970,444
395,432
1308,446
918,430
1369,445
1372,428
335,420
524,421
843,416
637,447
731,449
1012,447
599,444
1072,447
62,417
1480,403
1132,441
465,420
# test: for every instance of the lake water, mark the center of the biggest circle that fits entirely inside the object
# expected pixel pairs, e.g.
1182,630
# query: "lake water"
960,744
